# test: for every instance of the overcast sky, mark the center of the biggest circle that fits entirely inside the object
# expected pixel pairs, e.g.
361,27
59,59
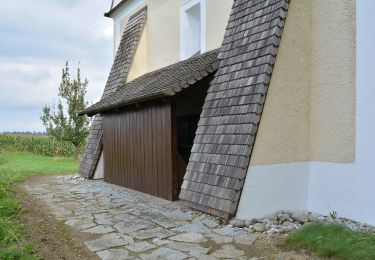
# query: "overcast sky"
37,37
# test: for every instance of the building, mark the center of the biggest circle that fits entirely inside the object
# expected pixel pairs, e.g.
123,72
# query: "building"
271,120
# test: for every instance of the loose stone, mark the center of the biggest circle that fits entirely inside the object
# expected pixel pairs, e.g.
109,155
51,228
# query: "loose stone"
301,216
259,227
237,223
254,221
282,218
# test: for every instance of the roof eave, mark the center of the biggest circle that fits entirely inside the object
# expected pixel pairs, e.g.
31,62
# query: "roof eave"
92,112
114,9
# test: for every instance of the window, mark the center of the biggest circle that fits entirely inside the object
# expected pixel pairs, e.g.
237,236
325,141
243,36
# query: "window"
192,28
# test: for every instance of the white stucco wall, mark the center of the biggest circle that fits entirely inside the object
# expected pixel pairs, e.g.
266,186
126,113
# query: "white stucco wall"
274,187
350,188
347,188
99,170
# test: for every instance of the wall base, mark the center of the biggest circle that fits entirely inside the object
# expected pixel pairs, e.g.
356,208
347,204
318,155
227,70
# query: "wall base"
314,186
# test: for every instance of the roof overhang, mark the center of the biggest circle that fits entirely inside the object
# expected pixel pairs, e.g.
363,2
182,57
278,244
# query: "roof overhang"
162,83
114,9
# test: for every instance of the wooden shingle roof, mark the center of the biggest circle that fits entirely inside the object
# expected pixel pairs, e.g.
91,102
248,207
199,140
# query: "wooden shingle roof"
160,83
229,121
117,78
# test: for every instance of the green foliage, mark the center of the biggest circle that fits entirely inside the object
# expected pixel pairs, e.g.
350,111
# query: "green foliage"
16,253
43,145
14,167
65,124
328,240
333,214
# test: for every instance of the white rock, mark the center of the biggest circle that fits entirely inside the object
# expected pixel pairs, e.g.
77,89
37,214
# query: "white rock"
254,221
237,223
259,227
247,223
301,216
282,218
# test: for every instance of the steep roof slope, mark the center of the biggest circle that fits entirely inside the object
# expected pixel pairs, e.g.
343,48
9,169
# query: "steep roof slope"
117,78
233,107
166,81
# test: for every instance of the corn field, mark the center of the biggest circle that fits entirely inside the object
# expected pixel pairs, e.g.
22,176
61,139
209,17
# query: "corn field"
42,145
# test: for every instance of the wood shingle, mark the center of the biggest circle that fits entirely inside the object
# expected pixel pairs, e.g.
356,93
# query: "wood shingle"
117,78
231,114
163,82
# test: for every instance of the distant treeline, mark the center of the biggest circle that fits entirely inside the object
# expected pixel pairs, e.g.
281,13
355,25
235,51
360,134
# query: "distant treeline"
37,144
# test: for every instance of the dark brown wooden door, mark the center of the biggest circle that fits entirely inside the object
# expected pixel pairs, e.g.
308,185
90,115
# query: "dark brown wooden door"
138,150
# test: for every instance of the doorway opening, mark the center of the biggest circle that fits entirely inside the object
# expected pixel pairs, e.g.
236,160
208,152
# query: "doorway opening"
187,111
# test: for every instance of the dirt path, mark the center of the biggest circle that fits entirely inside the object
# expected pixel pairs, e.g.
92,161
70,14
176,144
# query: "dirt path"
53,239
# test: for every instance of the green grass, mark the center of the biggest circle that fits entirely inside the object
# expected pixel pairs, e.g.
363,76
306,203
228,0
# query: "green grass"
15,167
337,241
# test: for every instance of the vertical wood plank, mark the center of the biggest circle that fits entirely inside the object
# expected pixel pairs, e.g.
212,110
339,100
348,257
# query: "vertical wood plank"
138,145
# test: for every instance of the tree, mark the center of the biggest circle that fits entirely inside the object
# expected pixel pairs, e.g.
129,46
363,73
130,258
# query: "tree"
64,123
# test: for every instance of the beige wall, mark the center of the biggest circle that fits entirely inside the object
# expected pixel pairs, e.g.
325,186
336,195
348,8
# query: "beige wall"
310,107
140,62
333,81
284,132
163,31
218,12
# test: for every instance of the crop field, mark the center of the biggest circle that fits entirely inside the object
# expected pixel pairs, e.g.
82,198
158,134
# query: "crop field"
42,145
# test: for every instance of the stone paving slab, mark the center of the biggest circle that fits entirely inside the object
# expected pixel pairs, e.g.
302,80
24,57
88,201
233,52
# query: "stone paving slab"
109,241
127,224
112,254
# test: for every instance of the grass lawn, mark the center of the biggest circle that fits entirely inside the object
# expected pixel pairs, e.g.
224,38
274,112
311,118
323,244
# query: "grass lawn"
336,241
14,167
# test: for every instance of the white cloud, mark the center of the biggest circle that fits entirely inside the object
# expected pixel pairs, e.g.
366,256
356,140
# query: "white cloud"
37,38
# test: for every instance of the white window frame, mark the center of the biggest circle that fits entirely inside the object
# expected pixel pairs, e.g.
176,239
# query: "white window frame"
203,43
